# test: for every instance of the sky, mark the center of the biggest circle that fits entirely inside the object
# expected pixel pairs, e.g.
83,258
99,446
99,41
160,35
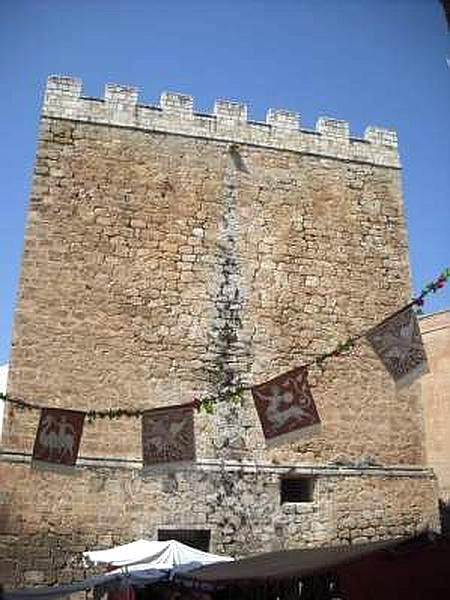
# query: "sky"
370,62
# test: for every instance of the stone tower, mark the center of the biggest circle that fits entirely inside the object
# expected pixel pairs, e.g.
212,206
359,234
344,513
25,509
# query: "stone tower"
171,254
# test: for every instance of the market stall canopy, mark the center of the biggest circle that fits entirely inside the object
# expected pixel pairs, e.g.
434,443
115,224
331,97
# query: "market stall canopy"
283,564
410,568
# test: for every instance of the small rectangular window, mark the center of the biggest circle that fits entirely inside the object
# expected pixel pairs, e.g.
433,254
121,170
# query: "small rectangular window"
196,538
297,489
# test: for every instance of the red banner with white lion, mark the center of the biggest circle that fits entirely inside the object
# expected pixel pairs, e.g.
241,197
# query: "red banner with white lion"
286,407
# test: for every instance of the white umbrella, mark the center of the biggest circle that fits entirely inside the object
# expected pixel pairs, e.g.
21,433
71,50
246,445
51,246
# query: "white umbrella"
147,554
139,563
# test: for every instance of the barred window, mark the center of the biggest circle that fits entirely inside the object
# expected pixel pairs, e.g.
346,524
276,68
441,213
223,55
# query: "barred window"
297,489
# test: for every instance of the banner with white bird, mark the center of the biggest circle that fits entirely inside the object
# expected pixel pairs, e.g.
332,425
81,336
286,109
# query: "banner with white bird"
398,344
168,435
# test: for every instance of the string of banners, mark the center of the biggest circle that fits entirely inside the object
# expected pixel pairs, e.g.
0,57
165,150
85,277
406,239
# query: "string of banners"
284,404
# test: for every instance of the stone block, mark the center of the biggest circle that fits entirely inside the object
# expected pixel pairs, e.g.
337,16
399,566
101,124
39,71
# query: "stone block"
333,129
226,111
283,119
383,137
181,104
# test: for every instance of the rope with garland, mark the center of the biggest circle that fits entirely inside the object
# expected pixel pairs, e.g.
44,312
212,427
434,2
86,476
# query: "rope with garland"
207,403
342,347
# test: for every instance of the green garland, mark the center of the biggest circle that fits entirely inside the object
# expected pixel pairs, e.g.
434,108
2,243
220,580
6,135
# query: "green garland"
207,403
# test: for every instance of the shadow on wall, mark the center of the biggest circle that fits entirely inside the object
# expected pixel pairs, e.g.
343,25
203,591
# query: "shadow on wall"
444,513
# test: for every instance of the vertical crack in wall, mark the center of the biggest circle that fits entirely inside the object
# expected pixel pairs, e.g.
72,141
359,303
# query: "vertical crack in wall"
229,351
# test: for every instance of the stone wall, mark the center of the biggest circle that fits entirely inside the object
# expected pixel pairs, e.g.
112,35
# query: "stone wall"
175,114
239,503
435,386
158,267
170,255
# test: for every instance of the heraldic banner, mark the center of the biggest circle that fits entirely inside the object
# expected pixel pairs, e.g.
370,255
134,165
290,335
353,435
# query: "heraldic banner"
398,344
58,437
286,407
168,435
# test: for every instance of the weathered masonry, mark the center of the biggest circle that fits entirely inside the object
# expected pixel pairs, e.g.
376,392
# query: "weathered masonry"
435,386
171,254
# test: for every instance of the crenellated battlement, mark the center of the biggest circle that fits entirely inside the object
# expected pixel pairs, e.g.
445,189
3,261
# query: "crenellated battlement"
229,122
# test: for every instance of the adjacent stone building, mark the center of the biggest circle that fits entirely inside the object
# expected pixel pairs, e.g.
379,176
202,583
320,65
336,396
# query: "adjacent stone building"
171,254
435,385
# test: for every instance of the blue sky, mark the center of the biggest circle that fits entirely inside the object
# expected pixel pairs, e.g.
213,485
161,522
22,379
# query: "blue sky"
378,62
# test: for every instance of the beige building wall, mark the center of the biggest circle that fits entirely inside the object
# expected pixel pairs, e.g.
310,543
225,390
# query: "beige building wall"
161,264
435,386
170,255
